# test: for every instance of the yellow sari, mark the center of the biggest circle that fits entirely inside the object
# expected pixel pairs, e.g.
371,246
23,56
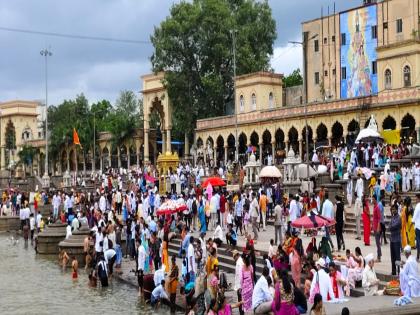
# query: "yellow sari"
403,228
411,233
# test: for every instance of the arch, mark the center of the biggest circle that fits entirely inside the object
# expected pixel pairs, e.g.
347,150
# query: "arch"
271,100
199,142
253,102
336,133
132,155
353,129
220,148
389,123
241,103
254,139
123,156
106,162
293,139
322,133
408,128
388,79
114,156
26,134
72,161
310,139
266,140
279,136
407,76
242,147
231,147
63,161
210,141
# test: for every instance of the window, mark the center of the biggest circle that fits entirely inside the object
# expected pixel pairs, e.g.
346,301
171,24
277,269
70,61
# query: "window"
270,100
316,43
343,73
385,25
343,39
326,73
388,79
241,103
254,102
316,77
374,31
333,38
334,72
399,26
325,41
407,76
374,67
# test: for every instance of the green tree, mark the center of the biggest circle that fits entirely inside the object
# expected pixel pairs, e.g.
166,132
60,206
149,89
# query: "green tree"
194,48
26,156
293,79
125,117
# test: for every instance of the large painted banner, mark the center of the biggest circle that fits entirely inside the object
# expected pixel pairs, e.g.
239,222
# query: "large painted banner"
358,52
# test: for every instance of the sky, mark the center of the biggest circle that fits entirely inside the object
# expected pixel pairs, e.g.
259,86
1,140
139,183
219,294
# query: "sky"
101,69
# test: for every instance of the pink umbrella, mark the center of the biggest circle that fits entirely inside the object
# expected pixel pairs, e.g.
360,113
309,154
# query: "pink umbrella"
312,222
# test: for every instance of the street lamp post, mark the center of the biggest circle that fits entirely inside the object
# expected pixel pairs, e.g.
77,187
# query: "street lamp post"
304,44
46,179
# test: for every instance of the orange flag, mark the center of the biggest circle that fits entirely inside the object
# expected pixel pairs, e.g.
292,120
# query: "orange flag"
76,137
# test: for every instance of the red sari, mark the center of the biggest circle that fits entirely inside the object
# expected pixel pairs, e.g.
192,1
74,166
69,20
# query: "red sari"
366,224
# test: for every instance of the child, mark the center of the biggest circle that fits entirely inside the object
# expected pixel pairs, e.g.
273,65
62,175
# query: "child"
75,267
63,259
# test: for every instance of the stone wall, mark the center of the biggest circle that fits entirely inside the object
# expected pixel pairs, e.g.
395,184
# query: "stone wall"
9,224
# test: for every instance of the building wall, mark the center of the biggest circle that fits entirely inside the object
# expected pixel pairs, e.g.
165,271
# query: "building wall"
327,58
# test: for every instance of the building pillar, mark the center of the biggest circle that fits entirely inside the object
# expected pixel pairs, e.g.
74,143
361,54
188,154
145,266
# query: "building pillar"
215,156
329,141
164,142
2,160
92,169
418,134
168,140
261,145
226,154
146,146
39,165
68,162
119,157
345,138
137,156
287,146
128,159
101,163
75,160
186,146
301,149
273,150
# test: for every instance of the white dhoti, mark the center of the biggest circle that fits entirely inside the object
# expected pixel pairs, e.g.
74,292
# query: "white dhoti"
410,278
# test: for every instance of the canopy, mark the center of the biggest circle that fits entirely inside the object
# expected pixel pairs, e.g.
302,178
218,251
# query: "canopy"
302,171
312,221
368,135
214,181
270,172
170,207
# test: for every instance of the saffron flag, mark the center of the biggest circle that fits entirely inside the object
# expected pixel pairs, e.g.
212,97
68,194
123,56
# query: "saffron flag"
391,136
76,137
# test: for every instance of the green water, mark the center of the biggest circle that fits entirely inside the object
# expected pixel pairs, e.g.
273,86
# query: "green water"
33,284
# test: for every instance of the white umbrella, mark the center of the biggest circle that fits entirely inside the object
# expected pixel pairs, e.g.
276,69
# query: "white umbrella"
302,171
368,135
322,169
270,172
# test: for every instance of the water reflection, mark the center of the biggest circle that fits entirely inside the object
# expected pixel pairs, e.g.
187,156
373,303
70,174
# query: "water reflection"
31,284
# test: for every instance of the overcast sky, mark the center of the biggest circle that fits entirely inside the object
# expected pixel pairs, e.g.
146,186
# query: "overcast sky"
101,69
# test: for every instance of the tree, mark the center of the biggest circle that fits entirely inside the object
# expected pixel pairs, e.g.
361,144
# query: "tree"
194,48
26,156
10,140
125,118
293,79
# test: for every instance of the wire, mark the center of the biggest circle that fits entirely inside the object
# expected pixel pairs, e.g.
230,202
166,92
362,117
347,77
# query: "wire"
74,36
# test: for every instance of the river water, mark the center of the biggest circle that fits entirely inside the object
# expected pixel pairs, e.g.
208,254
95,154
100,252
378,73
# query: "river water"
33,284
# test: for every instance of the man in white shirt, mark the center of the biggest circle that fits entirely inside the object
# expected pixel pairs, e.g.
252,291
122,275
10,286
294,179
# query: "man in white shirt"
322,280
110,256
56,201
102,203
416,220
254,214
141,259
239,263
328,212
213,210
159,275
261,296
158,294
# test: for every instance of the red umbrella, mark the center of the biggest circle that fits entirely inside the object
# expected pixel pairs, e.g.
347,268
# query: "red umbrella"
214,181
165,211
312,222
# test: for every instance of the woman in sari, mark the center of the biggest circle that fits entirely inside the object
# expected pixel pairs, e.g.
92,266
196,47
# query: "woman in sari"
165,258
296,262
247,284
202,216
366,221
411,232
283,302
404,221
355,264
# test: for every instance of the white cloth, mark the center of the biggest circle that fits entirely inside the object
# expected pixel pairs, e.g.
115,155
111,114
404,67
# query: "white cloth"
294,210
369,281
325,286
410,278
359,188
141,257
159,276
261,292
416,216
238,272
328,209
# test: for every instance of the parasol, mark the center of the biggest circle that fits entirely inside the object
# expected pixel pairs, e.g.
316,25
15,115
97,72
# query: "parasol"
368,135
270,172
170,207
214,181
312,222
302,171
